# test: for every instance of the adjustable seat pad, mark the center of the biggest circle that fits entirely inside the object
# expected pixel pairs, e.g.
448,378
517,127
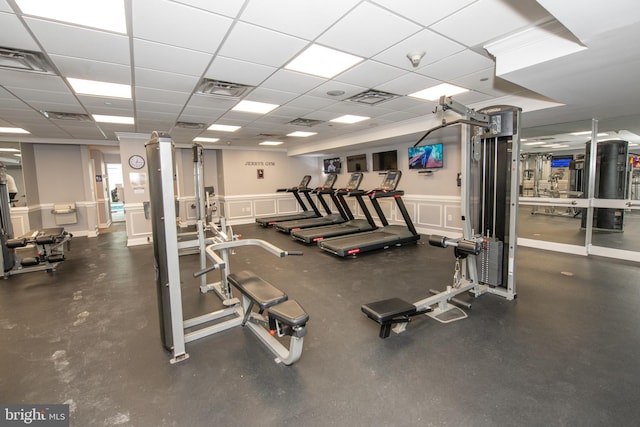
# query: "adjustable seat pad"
290,313
257,290
388,310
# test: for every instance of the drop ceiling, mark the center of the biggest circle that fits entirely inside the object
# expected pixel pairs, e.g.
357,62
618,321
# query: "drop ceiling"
171,47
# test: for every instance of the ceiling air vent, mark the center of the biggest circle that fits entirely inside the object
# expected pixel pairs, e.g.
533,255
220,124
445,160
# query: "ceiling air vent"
305,122
56,115
190,125
223,89
372,97
24,60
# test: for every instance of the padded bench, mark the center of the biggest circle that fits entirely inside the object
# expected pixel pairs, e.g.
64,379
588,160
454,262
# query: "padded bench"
269,298
389,312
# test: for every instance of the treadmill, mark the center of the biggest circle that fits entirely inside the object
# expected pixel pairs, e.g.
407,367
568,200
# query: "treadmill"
303,187
353,225
330,218
381,238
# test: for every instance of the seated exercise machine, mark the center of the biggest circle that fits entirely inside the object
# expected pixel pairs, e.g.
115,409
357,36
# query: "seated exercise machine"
486,251
329,218
37,250
303,187
263,309
382,238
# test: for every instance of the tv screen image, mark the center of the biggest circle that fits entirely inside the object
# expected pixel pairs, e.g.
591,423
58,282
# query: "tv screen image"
357,163
562,162
332,165
385,160
426,157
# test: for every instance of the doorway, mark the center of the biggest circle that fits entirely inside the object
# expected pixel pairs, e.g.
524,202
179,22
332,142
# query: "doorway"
116,191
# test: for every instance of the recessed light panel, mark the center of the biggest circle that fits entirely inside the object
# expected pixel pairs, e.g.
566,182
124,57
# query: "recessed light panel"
349,119
103,15
9,150
123,120
254,107
12,130
223,128
434,93
271,143
96,88
323,62
203,139
587,132
301,134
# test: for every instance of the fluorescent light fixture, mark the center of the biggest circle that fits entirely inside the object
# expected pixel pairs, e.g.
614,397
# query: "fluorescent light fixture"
123,120
103,15
12,130
254,107
534,143
560,146
349,119
96,88
633,145
301,134
10,150
271,143
587,132
323,62
223,128
549,145
434,93
203,139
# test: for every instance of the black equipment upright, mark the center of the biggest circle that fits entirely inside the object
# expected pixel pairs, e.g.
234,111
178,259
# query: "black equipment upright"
352,226
381,238
341,216
303,187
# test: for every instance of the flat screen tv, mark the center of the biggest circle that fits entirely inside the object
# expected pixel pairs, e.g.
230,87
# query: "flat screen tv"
357,163
385,160
561,162
332,165
426,157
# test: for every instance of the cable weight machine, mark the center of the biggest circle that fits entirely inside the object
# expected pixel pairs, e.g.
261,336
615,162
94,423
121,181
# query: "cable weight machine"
486,251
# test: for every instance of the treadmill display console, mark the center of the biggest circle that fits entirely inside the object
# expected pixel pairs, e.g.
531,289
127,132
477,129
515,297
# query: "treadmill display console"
391,180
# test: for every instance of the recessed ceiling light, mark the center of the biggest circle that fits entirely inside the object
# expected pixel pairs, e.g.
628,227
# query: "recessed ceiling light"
12,130
301,134
587,132
271,143
103,15
254,107
96,88
323,62
350,119
10,150
633,145
223,128
203,139
123,120
534,143
434,93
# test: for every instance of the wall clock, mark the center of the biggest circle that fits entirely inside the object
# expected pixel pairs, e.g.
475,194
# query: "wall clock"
136,161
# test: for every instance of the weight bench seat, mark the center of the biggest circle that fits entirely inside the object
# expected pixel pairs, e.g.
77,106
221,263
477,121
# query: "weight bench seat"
261,292
389,311
290,313
19,242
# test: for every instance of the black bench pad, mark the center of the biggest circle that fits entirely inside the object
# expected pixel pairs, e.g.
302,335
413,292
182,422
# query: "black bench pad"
388,310
259,291
290,313
16,243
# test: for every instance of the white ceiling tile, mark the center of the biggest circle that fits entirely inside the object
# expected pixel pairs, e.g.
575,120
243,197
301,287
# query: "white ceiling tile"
306,19
79,42
271,96
189,28
212,102
292,81
18,79
4,7
308,102
399,116
433,45
370,74
155,79
161,57
349,90
164,96
92,70
408,83
32,95
255,44
458,65
158,107
417,11
14,34
288,111
200,115
227,7
154,115
355,32
93,102
237,71
487,19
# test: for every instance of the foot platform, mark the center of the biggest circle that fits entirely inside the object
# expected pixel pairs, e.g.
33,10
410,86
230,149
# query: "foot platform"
389,312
